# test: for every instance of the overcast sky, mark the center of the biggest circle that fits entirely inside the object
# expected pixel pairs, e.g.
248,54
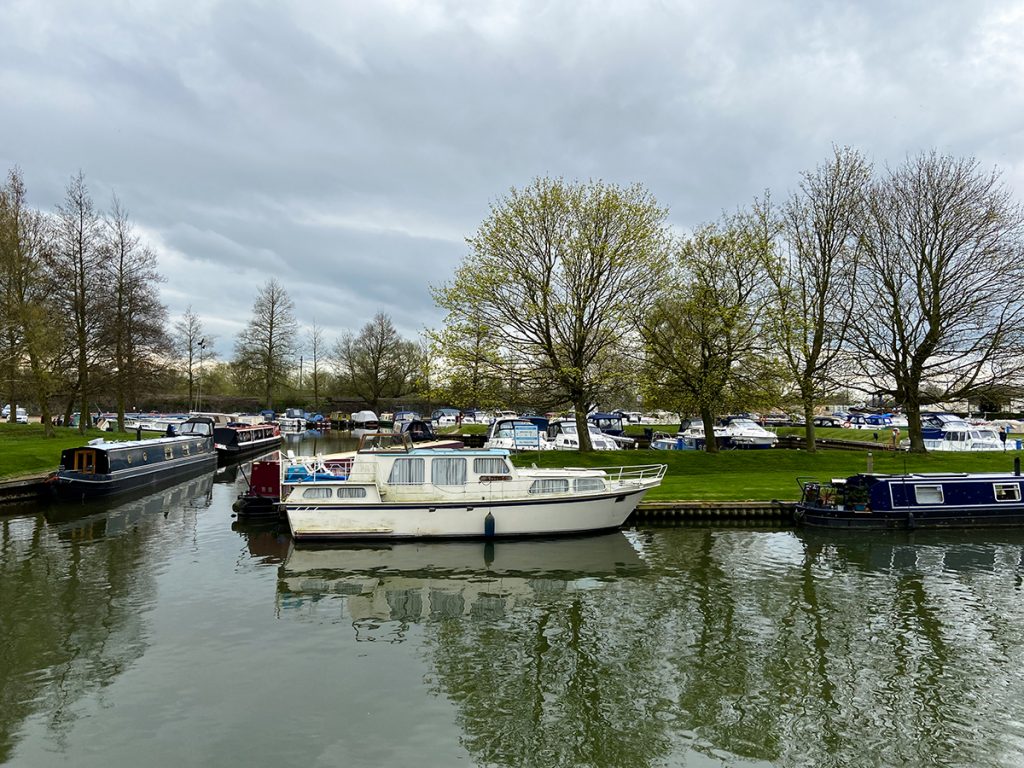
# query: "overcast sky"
349,148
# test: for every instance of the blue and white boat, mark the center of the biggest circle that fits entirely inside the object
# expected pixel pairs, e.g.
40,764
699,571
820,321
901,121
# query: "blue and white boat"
918,500
949,432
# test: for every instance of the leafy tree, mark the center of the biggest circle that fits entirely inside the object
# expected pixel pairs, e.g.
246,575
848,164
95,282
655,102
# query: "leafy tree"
27,318
703,335
936,305
265,351
552,276
809,319
469,365
377,363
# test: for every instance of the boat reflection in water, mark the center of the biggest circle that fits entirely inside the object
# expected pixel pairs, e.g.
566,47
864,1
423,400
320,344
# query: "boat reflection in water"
99,518
416,581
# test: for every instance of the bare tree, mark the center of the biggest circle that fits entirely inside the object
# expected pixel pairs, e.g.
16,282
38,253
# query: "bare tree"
937,314
810,316
265,351
553,276
78,263
317,346
135,332
378,363
703,334
194,346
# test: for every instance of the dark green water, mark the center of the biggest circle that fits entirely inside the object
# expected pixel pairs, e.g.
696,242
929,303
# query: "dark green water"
155,632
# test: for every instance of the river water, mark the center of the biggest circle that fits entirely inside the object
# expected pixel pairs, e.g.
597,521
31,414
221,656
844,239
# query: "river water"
158,631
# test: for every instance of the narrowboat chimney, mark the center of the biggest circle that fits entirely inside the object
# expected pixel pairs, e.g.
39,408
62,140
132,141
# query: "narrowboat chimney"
1016,465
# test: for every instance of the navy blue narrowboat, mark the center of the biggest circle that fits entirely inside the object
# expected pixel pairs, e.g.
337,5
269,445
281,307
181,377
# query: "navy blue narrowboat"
932,500
235,440
103,468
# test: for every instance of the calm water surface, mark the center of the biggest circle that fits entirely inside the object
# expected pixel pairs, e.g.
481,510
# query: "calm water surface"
159,632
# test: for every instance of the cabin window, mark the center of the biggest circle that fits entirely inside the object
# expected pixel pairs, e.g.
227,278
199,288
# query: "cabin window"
553,485
406,471
316,493
351,493
185,449
490,466
589,484
448,471
928,494
1007,491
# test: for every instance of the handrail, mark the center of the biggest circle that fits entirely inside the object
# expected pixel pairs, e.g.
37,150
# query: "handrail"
630,473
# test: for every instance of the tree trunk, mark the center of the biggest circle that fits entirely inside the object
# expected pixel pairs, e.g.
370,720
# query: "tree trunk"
710,441
912,409
809,425
582,429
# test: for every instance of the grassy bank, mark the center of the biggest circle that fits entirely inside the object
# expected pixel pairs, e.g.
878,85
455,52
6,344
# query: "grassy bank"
692,475
767,474
26,451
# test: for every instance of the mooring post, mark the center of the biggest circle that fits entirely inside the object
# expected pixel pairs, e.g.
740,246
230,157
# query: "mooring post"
871,463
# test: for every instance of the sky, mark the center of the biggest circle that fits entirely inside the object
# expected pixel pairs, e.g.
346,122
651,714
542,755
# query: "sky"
348,149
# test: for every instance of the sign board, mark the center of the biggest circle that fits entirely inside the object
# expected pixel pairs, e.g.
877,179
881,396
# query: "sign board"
527,437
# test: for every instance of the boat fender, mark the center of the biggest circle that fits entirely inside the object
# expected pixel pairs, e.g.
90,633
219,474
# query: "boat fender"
910,520
489,525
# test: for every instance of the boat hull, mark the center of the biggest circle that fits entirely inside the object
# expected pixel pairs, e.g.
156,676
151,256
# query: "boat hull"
420,520
70,485
226,452
975,517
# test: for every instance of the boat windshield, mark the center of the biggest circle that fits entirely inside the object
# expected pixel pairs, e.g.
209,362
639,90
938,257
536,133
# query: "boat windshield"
195,428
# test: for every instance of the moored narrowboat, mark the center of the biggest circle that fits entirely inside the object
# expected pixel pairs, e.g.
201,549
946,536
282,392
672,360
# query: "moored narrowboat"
235,440
102,468
918,500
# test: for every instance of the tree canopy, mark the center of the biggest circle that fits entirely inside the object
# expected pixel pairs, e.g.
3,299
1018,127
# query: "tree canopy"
551,283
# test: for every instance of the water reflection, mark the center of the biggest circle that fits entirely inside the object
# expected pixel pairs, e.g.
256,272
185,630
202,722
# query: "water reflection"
78,580
415,582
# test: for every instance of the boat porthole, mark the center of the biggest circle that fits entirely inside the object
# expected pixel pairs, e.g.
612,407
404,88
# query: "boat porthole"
128,458
145,456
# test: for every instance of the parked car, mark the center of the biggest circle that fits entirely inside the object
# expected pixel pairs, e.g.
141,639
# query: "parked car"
20,414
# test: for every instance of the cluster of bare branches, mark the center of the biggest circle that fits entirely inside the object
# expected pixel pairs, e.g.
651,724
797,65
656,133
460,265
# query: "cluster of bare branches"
79,307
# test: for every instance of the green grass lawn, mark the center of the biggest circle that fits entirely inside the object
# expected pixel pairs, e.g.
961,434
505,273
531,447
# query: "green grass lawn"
26,451
766,474
692,475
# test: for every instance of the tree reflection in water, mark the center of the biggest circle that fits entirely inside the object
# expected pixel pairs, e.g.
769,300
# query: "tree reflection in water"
77,583
718,646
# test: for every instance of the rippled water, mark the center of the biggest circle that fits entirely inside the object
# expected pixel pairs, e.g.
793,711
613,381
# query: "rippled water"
159,632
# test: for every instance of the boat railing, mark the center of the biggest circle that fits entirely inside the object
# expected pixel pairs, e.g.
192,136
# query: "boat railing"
631,474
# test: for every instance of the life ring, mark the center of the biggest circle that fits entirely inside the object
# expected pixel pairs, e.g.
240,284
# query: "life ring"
846,425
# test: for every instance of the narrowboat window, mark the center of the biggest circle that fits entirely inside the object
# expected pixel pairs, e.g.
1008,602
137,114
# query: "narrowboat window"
554,485
928,494
490,466
406,471
1007,491
168,452
448,471
316,493
128,457
185,449
145,456
355,492
588,484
